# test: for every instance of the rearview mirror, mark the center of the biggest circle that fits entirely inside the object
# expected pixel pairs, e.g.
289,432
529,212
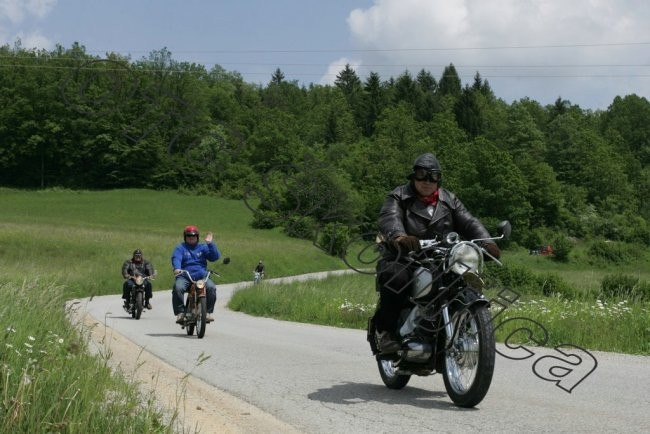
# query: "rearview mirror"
504,229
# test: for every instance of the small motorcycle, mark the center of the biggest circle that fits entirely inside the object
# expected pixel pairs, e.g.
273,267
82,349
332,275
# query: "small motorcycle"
258,276
196,304
447,326
136,302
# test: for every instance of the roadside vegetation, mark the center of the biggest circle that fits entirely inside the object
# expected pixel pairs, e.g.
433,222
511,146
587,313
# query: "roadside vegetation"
50,382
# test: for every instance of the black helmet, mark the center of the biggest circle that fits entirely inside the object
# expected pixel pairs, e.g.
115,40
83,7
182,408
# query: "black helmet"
137,255
427,163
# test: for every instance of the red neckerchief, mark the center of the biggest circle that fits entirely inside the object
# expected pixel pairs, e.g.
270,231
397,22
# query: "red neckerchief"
432,199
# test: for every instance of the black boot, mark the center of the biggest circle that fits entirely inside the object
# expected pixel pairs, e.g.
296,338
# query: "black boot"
387,343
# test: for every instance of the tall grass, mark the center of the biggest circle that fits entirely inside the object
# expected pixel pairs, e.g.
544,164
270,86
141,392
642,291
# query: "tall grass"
614,325
49,382
337,301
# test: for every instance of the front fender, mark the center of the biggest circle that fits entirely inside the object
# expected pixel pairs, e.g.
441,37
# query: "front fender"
469,296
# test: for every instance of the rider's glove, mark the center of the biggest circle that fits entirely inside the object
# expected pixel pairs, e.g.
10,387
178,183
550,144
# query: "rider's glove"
407,243
493,250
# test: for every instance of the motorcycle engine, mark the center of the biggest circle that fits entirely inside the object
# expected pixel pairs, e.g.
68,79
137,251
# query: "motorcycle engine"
417,351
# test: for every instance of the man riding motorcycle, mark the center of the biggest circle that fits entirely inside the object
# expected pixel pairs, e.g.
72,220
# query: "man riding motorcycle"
420,209
137,265
193,257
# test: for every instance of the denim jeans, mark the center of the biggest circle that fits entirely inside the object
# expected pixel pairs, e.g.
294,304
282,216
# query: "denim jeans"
182,284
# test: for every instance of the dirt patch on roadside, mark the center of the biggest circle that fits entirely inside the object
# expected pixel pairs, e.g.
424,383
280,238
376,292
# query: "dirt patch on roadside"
200,407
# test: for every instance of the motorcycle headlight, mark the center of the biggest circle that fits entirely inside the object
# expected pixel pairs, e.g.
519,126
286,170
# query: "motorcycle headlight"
465,257
139,280
200,284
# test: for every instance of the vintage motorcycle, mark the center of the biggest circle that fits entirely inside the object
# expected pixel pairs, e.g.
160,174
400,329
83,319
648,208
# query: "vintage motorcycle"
136,302
196,304
447,326
258,276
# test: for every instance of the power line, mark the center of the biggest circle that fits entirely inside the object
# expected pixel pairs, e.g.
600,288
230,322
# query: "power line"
513,75
388,50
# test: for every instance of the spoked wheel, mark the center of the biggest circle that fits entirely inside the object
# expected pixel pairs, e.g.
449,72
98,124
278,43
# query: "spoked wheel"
189,328
469,363
389,374
201,317
137,309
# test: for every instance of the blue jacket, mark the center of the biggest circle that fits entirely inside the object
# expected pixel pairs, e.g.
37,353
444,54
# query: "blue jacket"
195,258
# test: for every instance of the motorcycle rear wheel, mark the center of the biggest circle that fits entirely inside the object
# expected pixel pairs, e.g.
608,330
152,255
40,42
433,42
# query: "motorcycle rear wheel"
469,363
139,304
389,374
201,317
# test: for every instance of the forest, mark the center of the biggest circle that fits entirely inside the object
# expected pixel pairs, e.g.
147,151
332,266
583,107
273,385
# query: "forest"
322,156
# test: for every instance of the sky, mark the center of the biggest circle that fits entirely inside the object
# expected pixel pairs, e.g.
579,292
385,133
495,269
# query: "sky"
584,51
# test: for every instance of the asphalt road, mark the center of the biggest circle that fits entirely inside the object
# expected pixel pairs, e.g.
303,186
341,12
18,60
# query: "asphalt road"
325,379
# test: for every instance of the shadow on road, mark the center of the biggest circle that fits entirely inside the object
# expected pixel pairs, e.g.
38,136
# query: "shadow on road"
180,334
356,393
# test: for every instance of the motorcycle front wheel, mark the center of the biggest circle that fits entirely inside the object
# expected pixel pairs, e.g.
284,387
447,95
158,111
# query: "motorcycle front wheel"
201,317
469,363
139,303
189,328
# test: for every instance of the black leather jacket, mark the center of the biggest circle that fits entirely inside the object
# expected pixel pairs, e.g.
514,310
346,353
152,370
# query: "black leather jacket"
130,268
403,214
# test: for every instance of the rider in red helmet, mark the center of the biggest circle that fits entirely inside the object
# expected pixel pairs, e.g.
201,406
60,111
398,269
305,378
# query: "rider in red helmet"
192,256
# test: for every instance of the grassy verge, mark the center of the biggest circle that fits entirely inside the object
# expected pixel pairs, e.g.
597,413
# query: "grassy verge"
50,383
612,325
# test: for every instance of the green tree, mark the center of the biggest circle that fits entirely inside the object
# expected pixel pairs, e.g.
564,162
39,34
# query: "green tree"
449,83
469,111
350,85
493,186
374,101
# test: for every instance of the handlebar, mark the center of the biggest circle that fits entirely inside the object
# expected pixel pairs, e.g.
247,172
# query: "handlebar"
206,277
152,277
434,243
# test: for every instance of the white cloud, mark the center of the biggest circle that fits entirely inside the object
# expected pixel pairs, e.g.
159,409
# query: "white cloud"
336,67
34,40
13,17
537,48
16,10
